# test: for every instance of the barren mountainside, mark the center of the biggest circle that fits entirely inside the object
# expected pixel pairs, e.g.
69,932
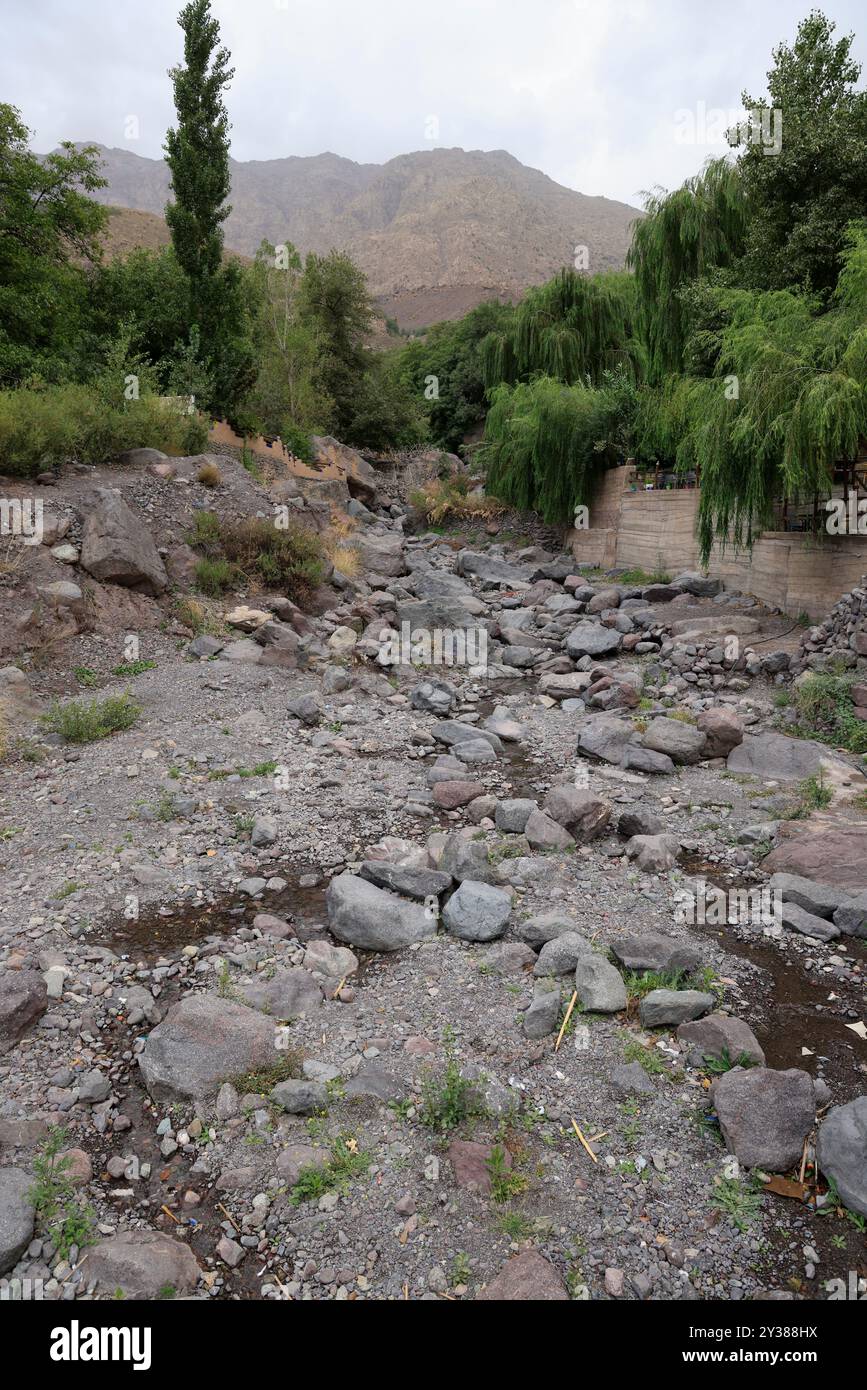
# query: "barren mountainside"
435,231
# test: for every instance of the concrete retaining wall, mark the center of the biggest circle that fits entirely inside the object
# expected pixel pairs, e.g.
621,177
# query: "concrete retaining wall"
654,531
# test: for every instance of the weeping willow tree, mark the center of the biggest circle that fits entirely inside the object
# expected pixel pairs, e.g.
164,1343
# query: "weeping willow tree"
573,328
547,442
786,401
699,227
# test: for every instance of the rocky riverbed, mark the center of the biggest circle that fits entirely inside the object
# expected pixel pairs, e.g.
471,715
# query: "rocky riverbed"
335,978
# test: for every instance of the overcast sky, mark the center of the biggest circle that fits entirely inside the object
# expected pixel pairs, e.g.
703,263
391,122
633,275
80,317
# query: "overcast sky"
591,93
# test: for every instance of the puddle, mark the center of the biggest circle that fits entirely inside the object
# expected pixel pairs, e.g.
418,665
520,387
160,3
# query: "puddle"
165,931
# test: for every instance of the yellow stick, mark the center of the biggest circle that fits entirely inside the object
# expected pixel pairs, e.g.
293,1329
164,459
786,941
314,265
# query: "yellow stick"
572,1003
584,1142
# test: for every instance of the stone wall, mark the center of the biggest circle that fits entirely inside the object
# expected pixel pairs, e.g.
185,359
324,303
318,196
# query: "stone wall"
654,531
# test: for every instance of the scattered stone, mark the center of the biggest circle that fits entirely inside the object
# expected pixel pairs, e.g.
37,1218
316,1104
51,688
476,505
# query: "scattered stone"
765,1115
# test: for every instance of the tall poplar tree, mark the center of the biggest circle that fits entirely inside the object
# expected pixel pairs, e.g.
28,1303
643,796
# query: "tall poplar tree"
197,153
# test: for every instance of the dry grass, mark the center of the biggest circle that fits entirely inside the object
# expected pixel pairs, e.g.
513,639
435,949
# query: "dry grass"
451,497
4,732
209,475
337,546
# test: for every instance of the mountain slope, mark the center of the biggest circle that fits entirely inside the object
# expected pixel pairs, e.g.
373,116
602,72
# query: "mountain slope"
435,231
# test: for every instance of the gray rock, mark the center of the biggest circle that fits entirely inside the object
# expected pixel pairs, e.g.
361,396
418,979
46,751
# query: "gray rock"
606,737
783,759
582,813
413,883
718,1033
542,1017
653,951
23,1000
691,582
477,911
376,1083
511,816
17,1216
817,898
264,832
683,743
798,920
367,916
489,568
202,1042
599,985
544,833
434,696
300,1097
545,926
670,1007
630,1079
117,548
452,732
205,646
639,759
93,1088
383,554
591,639
560,956
851,916
463,857
142,1264
639,822
287,994
841,1151
306,708
765,1115
654,854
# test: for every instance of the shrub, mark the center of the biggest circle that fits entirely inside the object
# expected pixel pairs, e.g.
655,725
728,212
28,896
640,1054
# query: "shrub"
81,721
826,710
214,577
209,475
450,496
46,426
289,559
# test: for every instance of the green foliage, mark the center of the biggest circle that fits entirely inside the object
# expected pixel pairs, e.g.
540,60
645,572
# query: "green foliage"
289,559
802,198
687,233
47,223
47,426
718,1065
58,1210
197,153
546,443
505,1182
448,1099
825,710
444,371
346,1162
82,721
741,1200
575,328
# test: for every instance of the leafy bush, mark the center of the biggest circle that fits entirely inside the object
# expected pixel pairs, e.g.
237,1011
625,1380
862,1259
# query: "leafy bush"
450,496
82,721
290,559
43,427
826,710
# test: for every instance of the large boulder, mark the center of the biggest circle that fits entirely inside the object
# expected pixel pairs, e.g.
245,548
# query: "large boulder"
370,917
117,548
490,569
477,912
202,1042
841,1150
765,1115
16,1216
722,729
683,743
654,854
23,1000
591,639
834,855
580,812
143,1264
381,552
606,737
330,453
777,756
